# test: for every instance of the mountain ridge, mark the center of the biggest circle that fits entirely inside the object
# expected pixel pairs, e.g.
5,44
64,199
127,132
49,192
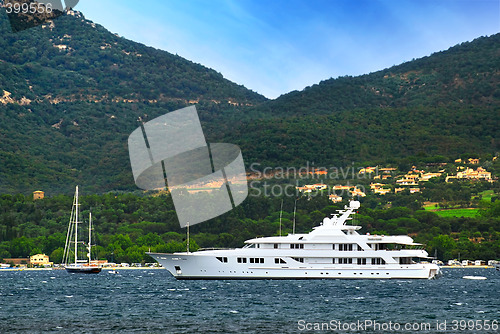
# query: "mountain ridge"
405,82
82,50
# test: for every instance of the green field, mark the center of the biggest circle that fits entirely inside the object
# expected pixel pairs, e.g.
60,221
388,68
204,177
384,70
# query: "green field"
431,207
486,195
457,213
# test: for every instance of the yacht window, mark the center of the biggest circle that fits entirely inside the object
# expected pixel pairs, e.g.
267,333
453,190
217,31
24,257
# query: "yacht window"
299,259
378,260
242,260
362,261
222,259
345,260
278,260
256,260
360,248
275,245
296,246
345,247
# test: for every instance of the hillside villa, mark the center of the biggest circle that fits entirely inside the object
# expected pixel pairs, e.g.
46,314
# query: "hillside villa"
471,174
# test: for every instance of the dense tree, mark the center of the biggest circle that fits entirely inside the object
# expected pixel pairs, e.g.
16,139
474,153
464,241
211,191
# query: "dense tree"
145,224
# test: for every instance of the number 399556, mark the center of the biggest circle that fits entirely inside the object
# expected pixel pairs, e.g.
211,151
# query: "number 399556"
26,8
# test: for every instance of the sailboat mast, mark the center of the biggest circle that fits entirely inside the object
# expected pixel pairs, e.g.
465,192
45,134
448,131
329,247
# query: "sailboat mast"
90,235
281,212
294,212
76,225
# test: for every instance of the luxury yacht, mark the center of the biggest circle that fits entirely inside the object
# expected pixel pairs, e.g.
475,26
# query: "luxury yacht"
331,250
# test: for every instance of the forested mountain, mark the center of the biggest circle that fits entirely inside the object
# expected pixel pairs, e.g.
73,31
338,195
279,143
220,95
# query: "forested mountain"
71,92
446,104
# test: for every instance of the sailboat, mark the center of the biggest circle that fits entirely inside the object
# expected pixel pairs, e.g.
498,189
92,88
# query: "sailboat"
75,247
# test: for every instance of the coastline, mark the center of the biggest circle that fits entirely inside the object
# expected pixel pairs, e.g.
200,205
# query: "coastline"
467,267
162,268
106,268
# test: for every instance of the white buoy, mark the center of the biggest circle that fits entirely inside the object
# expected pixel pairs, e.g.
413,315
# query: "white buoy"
475,277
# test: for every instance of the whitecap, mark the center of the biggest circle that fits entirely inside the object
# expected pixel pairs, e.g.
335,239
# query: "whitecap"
70,296
203,288
234,311
44,281
459,304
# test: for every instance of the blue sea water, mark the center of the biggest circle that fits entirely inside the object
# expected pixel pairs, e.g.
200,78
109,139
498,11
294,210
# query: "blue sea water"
152,301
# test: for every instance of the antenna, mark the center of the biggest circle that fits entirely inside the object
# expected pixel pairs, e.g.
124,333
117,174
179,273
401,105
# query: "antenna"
281,213
294,212
187,244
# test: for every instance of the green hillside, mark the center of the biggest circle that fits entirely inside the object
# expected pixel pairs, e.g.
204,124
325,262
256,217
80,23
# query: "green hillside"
71,92
446,104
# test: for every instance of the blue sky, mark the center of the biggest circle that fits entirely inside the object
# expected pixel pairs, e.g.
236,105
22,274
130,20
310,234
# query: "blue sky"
277,46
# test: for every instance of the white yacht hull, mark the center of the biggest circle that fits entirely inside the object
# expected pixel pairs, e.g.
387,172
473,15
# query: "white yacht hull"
200,266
